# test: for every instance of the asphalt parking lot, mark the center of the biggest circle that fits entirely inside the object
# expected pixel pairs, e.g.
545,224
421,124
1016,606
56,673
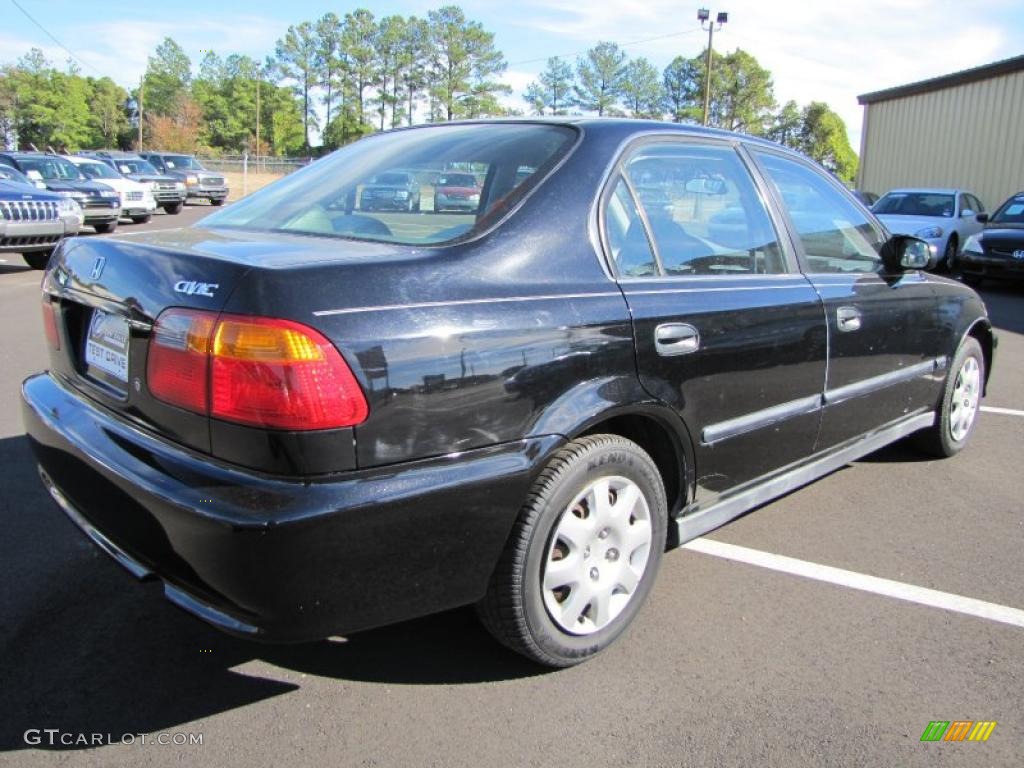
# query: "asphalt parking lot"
730,663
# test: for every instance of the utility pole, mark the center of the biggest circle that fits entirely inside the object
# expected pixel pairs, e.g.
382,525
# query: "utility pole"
142,84
704,16
258,78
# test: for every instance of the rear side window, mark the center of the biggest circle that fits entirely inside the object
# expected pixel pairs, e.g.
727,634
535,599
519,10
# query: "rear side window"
703,214
382,187
835,234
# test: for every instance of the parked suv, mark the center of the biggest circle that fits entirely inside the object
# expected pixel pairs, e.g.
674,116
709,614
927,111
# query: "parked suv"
137,201
199,182
308,420
390,191
168,191
100,203
32,220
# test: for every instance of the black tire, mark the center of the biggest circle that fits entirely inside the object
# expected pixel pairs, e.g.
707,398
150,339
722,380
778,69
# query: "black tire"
141,219
972,280
939,440
106,227
949,256
39,259
514,608
219,201
173,208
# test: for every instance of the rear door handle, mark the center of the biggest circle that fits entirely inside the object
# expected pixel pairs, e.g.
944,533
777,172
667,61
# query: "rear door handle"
848,319
676,339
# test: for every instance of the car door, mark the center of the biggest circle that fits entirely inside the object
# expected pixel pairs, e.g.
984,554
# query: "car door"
883,361
969,209
727,331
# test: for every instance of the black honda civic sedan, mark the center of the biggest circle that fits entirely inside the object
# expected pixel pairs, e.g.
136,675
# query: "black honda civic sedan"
998,250
308,419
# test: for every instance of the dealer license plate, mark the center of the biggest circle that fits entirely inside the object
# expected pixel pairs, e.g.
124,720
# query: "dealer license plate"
106,346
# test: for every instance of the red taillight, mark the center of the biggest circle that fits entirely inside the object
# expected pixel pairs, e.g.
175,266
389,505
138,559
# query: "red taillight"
252,370
178,367
50,323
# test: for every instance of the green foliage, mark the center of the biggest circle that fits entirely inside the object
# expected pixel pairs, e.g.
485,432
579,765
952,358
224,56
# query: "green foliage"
682,81
823,138
168,76
463,65
600,75
642,91
742,93
297,59
552,90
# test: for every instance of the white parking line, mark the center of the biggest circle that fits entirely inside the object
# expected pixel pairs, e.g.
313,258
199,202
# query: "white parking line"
1004,411
861,581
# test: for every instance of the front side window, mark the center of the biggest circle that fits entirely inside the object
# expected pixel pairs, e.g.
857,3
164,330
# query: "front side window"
382,187
704,213
835,235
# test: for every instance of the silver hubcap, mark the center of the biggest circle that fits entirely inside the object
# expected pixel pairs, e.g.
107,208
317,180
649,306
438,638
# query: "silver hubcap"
966,394
598,555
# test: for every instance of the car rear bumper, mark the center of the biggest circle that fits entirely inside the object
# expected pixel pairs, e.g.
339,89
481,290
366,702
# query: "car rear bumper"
279,559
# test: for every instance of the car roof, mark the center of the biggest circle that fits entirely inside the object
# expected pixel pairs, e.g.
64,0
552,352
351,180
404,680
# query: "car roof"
928,191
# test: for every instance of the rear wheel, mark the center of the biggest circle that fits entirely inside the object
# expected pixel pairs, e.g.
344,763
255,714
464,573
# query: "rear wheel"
949,256
106,227
141,219
39,259
173,208
583,554
961,399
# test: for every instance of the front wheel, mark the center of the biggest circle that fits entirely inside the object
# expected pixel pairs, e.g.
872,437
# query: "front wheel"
582,555
961,400
949,256
39,259
106,227
173,208
217,201
141,219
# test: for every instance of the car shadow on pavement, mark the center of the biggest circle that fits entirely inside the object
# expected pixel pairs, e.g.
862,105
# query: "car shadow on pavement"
85,648
1005,305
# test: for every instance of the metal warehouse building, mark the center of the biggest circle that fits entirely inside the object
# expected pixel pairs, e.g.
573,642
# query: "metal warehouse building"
960,130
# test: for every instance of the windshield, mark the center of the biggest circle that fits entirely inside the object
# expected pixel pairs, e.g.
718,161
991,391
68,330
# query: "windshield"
12,174
98,171
456,180
51,168
915,204
336,197
136,165
182,163
397,179
1011,212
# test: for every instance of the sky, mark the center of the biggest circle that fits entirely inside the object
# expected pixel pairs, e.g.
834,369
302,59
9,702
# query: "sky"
816,51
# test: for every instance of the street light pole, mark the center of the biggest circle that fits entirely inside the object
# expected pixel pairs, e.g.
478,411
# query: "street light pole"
704,16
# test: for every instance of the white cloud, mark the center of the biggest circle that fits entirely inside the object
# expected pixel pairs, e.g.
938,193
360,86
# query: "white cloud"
822,51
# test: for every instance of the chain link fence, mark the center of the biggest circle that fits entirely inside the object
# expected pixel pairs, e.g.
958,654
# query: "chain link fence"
247,173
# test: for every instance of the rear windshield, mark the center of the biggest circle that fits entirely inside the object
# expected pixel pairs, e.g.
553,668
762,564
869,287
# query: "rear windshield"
334,196
1012,212
915,204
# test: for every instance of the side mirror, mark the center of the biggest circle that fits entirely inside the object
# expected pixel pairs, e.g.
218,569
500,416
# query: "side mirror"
981,218
966,213
902,253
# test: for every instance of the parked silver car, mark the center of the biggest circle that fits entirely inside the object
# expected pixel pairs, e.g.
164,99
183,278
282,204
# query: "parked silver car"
944,218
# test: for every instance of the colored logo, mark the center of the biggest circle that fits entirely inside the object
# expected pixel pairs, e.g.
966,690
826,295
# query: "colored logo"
958,730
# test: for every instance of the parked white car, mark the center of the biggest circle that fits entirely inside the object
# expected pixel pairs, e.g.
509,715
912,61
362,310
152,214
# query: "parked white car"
137,201
944,218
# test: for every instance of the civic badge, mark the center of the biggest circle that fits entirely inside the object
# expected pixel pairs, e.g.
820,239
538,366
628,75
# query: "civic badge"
1019,254
97,267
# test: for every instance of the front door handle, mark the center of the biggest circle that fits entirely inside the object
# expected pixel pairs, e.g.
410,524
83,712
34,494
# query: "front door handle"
848,319
676,339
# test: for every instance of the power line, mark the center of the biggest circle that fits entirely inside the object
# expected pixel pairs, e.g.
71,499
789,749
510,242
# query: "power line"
577,53
58,42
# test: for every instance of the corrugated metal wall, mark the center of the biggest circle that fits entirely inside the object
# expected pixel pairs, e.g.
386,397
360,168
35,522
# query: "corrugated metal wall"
969,136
